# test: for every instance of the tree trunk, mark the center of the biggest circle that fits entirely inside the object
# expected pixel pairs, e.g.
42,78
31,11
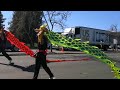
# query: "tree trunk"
51,47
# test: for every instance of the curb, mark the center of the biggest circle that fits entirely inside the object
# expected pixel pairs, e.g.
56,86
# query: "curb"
49,53
66,53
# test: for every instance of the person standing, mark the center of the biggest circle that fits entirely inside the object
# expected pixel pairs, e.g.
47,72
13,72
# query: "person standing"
115,44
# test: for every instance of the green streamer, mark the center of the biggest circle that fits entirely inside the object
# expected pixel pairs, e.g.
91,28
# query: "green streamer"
63,41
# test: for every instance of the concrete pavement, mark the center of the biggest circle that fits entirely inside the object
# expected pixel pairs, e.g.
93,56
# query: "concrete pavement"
24,67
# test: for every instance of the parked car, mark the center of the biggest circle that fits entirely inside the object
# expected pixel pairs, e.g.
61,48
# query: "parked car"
10,47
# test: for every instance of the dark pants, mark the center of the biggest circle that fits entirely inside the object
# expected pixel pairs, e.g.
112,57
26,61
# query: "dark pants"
5,54
41,61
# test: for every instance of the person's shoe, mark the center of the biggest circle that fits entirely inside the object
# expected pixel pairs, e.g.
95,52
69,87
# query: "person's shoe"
11,63
52,78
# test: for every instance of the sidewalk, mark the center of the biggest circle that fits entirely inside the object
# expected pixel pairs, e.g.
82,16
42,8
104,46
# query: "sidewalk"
61,52
49,52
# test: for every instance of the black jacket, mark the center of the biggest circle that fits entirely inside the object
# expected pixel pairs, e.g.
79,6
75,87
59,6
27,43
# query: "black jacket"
43,46
3,40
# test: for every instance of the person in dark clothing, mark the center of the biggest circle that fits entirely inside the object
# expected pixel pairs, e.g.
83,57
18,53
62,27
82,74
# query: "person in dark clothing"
3,44
41,56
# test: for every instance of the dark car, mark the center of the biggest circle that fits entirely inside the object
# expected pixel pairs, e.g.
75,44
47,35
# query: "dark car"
10,47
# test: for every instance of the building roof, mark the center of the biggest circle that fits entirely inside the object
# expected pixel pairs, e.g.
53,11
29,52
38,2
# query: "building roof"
89,28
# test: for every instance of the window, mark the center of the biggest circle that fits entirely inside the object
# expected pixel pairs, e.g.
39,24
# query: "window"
77,31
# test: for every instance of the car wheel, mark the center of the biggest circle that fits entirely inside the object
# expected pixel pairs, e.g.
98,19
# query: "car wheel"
16,49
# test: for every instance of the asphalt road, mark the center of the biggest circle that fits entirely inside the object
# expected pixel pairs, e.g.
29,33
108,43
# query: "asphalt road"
82,69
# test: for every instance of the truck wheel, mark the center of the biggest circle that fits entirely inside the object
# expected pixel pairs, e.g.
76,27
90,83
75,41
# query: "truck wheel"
105,48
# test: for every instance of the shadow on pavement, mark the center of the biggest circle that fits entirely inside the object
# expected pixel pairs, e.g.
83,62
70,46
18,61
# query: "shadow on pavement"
15,54
28,69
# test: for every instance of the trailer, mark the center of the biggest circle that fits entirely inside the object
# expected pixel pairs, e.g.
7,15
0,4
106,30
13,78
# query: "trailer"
96,37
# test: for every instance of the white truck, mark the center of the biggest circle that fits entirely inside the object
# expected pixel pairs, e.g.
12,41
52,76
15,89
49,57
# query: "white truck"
96,37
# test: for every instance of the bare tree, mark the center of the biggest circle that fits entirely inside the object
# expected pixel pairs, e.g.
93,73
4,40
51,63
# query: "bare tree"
114,35
113,28
56,19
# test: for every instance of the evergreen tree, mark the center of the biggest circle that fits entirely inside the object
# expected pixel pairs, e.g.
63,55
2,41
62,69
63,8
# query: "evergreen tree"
1,20
23,24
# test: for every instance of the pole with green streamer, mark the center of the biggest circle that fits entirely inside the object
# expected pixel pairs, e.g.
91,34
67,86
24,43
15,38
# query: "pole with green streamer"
63,41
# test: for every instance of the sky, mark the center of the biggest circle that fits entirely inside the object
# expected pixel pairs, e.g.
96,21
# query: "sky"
94,19
8,16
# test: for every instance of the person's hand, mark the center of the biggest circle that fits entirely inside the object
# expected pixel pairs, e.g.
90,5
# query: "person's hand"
39,33
35,54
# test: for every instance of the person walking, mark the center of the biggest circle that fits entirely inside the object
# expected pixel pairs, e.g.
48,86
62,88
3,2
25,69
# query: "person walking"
3,44
41,54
